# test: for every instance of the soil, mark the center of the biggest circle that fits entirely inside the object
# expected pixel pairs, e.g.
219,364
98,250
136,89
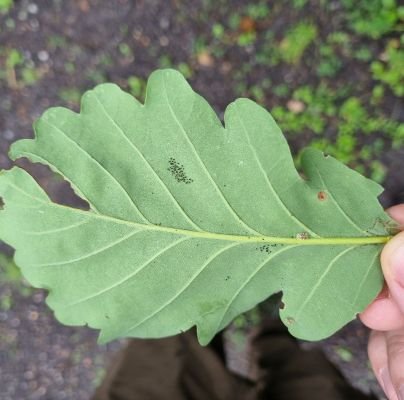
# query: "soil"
74,45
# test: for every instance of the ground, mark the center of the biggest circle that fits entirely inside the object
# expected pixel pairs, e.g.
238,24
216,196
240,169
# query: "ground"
331,73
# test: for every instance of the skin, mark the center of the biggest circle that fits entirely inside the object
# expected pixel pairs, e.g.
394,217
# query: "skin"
385,316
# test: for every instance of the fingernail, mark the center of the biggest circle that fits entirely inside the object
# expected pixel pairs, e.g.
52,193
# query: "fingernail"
386,381
397,265
401,392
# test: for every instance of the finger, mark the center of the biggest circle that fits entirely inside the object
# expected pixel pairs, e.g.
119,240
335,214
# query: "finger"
392,260
383,314
397,213
377,350
395,355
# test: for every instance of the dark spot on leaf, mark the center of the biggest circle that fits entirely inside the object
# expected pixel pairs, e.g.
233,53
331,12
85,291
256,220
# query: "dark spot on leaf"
281,305
227,278
1,203
322,196
107,316
178,171
265,248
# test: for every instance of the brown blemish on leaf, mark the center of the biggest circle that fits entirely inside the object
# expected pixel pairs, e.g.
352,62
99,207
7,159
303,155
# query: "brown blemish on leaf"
322,196
290,320
303,236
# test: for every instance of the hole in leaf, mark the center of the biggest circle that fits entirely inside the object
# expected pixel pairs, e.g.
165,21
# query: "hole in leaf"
56,187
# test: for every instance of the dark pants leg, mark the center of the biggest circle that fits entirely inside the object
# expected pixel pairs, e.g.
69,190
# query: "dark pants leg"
175,368
290,373
178,368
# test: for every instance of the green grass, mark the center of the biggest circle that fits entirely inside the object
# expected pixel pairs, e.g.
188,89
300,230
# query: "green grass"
296,41
9,272
6,6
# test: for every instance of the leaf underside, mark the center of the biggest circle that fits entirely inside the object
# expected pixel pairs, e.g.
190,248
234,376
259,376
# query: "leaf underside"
189,221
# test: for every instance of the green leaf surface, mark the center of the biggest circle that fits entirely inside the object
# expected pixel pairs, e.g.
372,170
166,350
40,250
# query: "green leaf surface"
190,223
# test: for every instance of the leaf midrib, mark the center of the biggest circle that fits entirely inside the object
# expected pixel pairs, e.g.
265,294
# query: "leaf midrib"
357,240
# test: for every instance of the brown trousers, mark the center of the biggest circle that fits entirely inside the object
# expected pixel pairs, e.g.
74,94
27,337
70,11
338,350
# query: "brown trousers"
178,368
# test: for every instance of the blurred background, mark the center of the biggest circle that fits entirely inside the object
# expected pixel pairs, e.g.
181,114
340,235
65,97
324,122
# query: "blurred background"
330,71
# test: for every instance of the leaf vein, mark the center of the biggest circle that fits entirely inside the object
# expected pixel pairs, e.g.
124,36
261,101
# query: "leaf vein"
50,231
144,159
130,276
188,284
368,240
208,174
271,188
99,165
255,272
343,212
93,253
365,277
320,280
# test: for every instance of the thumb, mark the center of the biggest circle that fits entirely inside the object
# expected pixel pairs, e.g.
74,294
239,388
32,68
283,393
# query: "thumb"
392,260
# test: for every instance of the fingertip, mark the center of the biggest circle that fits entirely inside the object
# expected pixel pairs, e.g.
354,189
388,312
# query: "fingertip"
377,351
395,352
388,254
397,213
383,315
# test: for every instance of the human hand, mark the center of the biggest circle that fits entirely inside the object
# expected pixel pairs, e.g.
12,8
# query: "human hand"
386,317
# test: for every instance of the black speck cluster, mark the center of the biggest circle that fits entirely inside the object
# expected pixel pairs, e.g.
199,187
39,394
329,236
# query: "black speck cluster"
267,248
178,172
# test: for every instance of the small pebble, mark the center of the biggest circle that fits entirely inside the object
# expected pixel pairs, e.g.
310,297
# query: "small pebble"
164,23
22,15
164,41
9,135
34,24
32,8
28,375
33,315
43,55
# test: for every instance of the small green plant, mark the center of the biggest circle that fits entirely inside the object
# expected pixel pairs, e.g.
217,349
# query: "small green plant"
137,86
125,50
296,41
6,5
70,95
391,72
19,72
217,31
9,272
373,18
191,221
